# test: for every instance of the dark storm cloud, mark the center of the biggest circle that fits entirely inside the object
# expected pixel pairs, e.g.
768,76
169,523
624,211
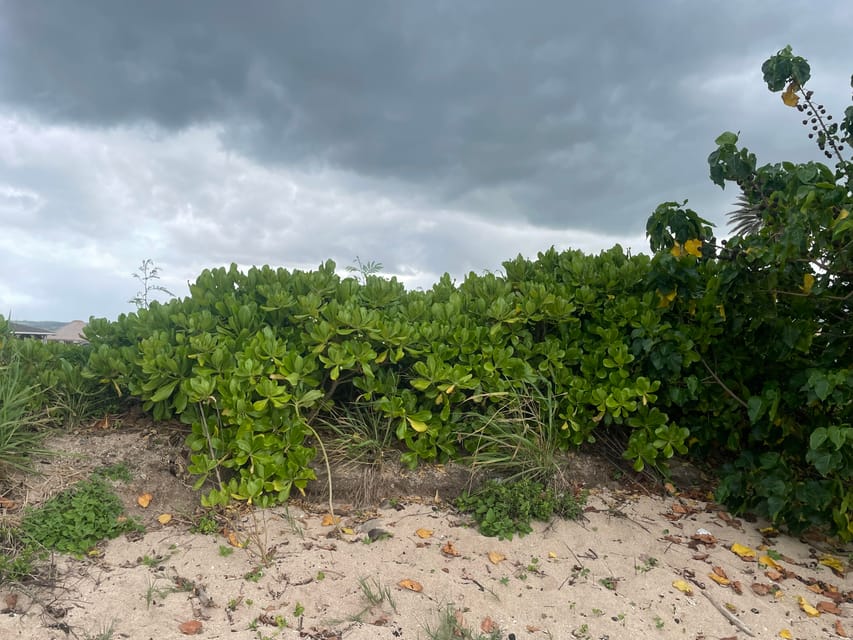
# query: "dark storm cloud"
546,111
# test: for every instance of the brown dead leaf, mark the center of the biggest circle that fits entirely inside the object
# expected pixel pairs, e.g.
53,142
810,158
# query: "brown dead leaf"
7,504
533,629
329,520
424,533
190,627
449,550
720,580
670,488
720,572
11,600
144,500
737,587
816,588
488,625
839,630
496,557
774,575
411,585
760,589
826,606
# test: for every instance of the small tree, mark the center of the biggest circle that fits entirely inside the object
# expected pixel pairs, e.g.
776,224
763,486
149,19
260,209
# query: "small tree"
363,270
147,274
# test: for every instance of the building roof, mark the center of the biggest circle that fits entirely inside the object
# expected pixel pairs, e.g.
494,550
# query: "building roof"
71,332
23,329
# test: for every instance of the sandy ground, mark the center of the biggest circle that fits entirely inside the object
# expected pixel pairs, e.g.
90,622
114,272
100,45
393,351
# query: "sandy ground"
397,570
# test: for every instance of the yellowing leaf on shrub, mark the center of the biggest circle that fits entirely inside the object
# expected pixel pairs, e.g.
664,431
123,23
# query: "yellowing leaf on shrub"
744,552
424,533
683,586
496,557
808,283
805,606
164,518
784,633
411,585
834,564
789,96
693,247
144,500
417,425
676,250
666,298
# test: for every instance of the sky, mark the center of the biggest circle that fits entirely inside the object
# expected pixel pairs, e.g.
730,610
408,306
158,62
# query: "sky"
431,137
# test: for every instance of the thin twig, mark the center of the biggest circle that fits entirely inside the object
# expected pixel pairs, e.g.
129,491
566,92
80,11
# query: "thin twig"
723,385
728,615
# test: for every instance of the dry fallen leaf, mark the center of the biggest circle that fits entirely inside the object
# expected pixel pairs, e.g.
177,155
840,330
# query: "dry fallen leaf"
495,557
816,588
348,530
834,564
784,633
737,587
5,503
533,629
825,606
164,518
767,561
744,552
760,589
233,540
719,579
774,575
329,520
488,625
839,630
683,586
411,585
144,500
805,606
190,627
449,550
552,555
424,533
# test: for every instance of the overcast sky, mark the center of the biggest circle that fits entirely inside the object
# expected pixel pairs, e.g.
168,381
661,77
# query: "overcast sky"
429,136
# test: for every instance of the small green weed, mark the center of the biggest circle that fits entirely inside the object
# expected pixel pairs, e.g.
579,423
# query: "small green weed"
254,575
503,509
225,551
646,564
375,593
106,633
206,524
298,610
451,626
609,583
77,519
118,472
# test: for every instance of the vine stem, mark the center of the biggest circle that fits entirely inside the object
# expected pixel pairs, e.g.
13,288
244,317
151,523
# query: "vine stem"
207,436
723,385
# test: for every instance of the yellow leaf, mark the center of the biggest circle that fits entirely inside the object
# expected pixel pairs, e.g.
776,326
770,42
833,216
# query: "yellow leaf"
683,586
329,520
233,541
790,98
693,247
784,633
833,563
722,311
424,533
552,555
767,561
808,283
417,425
666,298
676,250
719,579
449,550
805,606
744,552
164,518
495,557
411,585
348,530
144,500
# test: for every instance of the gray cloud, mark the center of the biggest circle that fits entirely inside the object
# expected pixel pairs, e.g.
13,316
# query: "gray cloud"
296,131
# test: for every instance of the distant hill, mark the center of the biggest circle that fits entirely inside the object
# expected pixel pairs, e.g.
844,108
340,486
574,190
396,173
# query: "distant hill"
47,325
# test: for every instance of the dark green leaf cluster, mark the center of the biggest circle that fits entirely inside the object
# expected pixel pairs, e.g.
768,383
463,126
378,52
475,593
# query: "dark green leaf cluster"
772,326
503,509
77,519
